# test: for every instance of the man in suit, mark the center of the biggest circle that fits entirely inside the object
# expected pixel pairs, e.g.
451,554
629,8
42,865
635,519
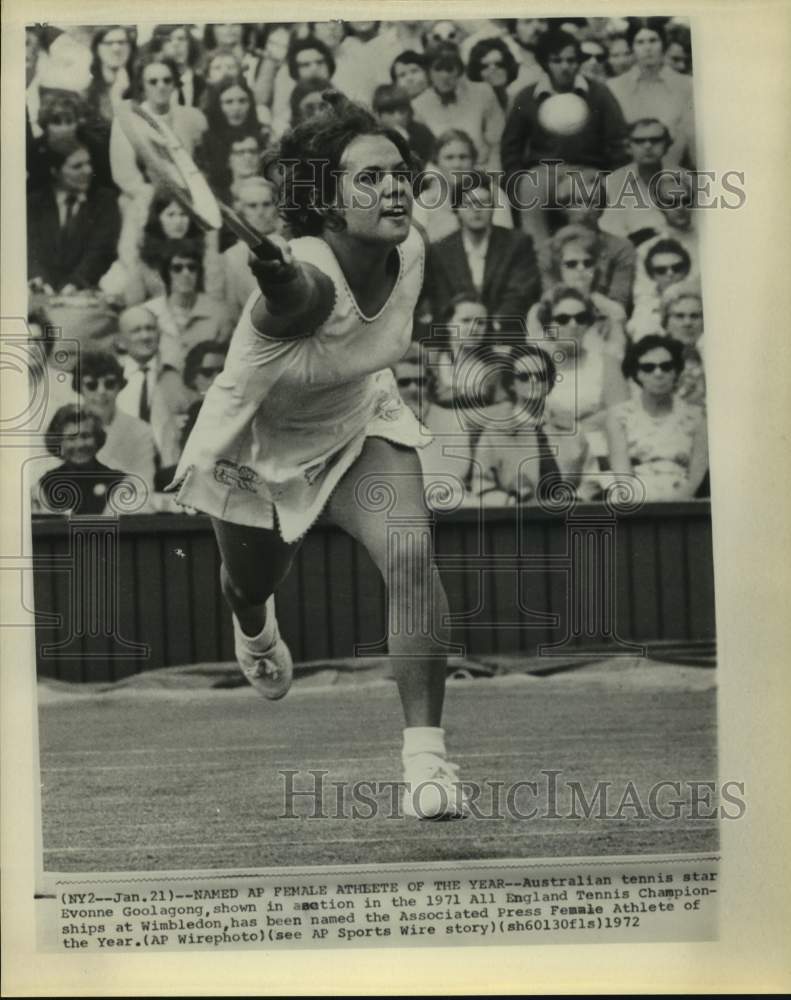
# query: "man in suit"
498,265
154,392
73,228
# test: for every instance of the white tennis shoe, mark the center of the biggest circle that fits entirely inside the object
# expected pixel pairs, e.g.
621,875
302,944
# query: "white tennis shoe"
432,789
265,660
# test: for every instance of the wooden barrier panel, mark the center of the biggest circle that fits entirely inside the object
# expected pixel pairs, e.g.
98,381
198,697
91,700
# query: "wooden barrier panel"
143,592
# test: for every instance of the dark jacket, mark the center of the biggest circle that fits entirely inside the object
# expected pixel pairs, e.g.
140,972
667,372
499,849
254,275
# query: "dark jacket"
77,254
600,144
511,281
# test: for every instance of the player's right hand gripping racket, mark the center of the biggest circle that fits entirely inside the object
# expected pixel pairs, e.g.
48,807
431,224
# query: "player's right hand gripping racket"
171,167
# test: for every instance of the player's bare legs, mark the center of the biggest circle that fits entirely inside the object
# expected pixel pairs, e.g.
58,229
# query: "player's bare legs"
254,562
380,503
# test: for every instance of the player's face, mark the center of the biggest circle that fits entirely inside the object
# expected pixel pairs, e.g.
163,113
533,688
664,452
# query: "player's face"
79,444
174,221
454,156
647,48
76,173
140,334
685,320
258,208
376,190
158,84
234,104
563,67
411,77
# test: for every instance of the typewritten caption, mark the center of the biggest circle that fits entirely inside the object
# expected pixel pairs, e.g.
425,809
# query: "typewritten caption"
518,904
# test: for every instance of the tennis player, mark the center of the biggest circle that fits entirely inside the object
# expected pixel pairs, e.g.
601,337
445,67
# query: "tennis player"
306,420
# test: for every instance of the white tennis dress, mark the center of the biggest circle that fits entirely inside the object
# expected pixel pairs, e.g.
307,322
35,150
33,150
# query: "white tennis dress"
286,418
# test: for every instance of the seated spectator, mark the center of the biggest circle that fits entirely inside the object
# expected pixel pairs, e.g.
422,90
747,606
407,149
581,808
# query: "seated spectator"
598,145
463,362
276,42
513,454
619,55
451,101
232,117
433,209
156,80
178,43
651,89
631,190
575,262
664,263
522,38
409,71
308,59
72,226
656,436
617,257
167,221
497,265
682,318
63,122
255,199
238,40
345,49
377,55
185,314
590,380
113,50
80,484
53,360
203,364
594,60
678,52
492,61
393,108
307,100
129,445
153,391
441,34
220,65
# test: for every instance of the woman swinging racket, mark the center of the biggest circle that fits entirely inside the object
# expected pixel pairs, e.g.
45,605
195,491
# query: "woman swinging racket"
306,418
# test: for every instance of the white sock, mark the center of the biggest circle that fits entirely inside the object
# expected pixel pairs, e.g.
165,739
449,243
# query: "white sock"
423,739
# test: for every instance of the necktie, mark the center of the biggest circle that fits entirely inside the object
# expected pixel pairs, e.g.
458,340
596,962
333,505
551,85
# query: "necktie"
71,209
145,408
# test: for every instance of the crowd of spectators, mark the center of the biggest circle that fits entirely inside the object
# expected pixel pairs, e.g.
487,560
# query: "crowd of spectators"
560,329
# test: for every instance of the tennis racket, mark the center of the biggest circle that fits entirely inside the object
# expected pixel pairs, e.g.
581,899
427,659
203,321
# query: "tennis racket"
171,167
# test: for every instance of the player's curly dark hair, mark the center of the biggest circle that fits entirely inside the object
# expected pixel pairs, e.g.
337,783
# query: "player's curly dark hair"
307,164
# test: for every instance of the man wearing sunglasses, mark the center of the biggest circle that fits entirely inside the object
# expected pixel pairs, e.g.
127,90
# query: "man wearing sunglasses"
129,446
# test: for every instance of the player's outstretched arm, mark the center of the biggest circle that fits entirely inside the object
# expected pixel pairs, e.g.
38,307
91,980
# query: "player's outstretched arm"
296,297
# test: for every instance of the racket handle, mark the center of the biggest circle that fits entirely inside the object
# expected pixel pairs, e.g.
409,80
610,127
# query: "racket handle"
266,250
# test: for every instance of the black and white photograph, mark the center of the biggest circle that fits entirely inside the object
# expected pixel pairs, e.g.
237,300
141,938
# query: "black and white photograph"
366,481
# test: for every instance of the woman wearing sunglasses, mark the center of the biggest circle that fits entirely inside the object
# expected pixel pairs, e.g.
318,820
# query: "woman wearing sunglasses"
492,62
574,259
589,380
185,313
656,436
